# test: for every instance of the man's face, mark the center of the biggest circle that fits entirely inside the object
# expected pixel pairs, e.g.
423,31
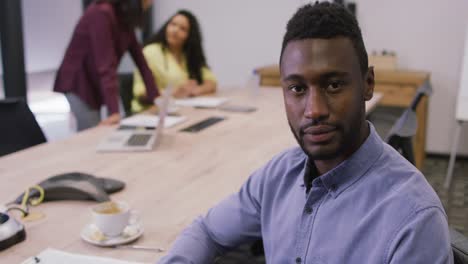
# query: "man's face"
324,94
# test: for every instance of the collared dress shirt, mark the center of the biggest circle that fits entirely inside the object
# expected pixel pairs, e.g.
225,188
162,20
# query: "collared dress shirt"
374,207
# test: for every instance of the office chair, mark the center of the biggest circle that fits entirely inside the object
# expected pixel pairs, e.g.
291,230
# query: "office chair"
459,246
20,129
126,91
400,138
402,132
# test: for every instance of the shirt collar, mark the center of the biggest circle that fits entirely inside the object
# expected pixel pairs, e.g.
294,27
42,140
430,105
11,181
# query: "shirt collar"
349,171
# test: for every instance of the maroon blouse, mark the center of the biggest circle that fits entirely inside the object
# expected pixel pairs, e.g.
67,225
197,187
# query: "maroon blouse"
89,67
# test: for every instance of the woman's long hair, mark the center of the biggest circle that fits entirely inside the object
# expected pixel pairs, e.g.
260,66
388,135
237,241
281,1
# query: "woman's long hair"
192,48
130,12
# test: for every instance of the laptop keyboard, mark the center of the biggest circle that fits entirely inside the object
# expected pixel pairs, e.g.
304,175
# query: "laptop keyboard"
138,140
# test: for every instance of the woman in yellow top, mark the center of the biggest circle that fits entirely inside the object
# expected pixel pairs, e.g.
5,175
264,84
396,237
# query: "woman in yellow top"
175,56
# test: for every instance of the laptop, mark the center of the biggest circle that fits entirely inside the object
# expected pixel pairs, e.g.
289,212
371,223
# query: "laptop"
136,138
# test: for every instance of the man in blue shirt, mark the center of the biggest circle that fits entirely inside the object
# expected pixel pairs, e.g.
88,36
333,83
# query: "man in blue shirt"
343,196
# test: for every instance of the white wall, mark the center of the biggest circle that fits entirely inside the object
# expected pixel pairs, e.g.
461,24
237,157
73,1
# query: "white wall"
238,35
47,28
427,35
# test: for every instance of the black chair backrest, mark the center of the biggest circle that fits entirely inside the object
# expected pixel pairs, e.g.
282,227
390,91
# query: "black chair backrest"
20,129
459,246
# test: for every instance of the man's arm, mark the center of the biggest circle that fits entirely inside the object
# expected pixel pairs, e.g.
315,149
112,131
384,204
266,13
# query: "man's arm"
424,238
234,221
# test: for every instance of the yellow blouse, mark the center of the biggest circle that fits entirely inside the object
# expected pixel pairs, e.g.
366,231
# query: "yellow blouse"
166,70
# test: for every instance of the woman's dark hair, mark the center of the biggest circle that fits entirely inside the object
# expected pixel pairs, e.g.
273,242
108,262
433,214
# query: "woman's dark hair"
130,12
193,49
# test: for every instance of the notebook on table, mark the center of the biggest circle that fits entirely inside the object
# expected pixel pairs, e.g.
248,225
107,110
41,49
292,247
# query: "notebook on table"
54,256
202,102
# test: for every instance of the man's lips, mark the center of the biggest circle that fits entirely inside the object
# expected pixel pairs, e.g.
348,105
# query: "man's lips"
318,129
319,133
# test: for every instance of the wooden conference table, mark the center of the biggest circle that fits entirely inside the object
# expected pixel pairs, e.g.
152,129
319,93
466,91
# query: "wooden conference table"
169,186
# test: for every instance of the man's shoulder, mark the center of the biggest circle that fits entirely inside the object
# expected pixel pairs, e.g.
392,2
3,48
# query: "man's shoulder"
408,206
406,185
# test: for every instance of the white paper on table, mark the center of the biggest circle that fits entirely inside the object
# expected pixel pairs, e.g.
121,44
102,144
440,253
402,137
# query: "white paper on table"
208,102
54,256
151,121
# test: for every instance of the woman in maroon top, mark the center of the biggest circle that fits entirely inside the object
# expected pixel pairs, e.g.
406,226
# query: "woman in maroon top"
88,74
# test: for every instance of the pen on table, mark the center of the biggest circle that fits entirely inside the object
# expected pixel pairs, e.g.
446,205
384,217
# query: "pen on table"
140,248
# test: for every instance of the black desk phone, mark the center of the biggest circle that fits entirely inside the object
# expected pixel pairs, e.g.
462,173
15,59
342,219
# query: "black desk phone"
75,186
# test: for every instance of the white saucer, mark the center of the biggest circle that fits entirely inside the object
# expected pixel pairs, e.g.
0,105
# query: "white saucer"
92,235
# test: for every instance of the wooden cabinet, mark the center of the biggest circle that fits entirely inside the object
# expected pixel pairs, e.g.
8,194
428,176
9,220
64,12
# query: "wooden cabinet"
269,75
398,88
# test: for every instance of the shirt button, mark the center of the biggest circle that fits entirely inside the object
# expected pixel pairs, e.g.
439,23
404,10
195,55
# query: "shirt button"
298,260
308,210
333,187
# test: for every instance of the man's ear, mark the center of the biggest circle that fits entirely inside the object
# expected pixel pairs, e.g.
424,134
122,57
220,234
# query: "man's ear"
369,83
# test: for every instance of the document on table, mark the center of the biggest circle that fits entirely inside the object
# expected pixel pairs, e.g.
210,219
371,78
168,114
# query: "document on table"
206,102
151,121
54,256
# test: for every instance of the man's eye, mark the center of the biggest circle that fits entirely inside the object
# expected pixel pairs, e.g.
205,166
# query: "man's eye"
297,89
334,86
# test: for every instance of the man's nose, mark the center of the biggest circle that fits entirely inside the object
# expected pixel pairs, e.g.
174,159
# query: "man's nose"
317,107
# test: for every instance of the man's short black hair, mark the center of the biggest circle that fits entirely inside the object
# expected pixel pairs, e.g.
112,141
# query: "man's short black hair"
326,20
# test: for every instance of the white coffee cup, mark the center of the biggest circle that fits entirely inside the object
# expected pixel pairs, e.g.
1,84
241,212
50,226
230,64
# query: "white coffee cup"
111,218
